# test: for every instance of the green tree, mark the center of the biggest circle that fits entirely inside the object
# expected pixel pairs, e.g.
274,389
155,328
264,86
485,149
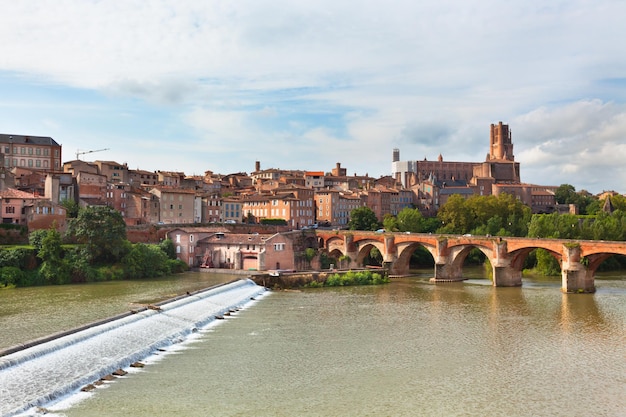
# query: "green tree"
103,232
54,269
145,261
71,207
410,220
546,263
374,257
455,216
167,246
10,275
585,201
390,222
36,237
502,215
363,218
565,194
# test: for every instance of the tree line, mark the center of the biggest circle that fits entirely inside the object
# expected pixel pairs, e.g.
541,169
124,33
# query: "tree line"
93,248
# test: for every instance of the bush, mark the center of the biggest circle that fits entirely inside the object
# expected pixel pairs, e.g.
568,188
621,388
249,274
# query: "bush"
10,275
21,258
355,278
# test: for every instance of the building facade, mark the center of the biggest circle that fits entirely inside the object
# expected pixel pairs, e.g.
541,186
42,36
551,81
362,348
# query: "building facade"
34,152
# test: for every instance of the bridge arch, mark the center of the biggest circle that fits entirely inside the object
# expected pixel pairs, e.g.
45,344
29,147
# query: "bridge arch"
458,252
334,245
405,252
518,257
364,247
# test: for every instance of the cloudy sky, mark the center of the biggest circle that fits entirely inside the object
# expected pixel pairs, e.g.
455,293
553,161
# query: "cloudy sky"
196,85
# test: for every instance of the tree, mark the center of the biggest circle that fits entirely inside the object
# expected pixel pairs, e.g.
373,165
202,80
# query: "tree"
167,246
390,222
145,261
103,232
410,220
54,269
71,207
363,218
502,215
36,237
565,194
455,216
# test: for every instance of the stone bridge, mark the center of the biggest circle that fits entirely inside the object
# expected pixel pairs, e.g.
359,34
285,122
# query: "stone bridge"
579,259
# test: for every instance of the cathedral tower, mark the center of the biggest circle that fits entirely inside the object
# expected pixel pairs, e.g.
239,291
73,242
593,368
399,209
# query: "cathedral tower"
500,145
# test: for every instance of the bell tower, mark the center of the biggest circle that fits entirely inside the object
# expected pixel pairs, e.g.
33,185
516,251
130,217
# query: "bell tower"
500,144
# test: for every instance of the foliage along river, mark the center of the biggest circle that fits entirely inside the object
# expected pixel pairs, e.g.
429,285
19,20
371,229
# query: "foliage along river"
409,348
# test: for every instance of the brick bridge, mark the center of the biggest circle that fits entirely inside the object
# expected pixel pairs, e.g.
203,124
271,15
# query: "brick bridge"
579,259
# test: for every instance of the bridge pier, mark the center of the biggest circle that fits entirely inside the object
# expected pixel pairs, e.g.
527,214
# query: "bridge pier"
505,276
577,281
575,277
445,272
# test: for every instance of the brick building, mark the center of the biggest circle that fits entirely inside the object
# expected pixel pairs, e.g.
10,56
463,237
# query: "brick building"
214,248
34,152
176,205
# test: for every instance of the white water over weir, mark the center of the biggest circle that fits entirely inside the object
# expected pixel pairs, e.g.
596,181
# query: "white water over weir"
43,372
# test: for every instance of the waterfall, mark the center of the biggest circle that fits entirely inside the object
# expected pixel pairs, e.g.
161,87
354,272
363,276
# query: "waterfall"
45,372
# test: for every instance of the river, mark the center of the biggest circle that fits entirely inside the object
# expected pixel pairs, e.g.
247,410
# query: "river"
409,348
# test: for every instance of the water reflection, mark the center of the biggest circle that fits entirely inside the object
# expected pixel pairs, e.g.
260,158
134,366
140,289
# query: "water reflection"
407,348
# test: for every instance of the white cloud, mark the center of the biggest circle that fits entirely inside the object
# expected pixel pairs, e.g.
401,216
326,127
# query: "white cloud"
323,82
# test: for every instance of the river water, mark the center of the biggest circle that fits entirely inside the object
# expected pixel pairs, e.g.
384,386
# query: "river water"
409,348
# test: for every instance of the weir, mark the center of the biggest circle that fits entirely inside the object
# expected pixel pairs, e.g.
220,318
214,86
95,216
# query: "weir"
42,373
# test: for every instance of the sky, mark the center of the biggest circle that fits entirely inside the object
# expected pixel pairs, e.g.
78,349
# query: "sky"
215,85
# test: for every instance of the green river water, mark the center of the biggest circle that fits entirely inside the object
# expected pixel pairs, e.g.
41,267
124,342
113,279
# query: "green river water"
409,348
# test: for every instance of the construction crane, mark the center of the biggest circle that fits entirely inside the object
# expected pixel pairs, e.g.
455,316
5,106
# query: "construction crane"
79,153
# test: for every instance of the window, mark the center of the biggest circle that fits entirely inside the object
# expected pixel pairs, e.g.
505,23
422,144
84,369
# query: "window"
9,209
279,246
177,238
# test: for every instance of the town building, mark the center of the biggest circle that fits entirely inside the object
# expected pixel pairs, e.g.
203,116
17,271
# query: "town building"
217,248
333,207
113,171
35,152
139,178
60,186
13,205
232,210
92,189
43,214
436,180
177,205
